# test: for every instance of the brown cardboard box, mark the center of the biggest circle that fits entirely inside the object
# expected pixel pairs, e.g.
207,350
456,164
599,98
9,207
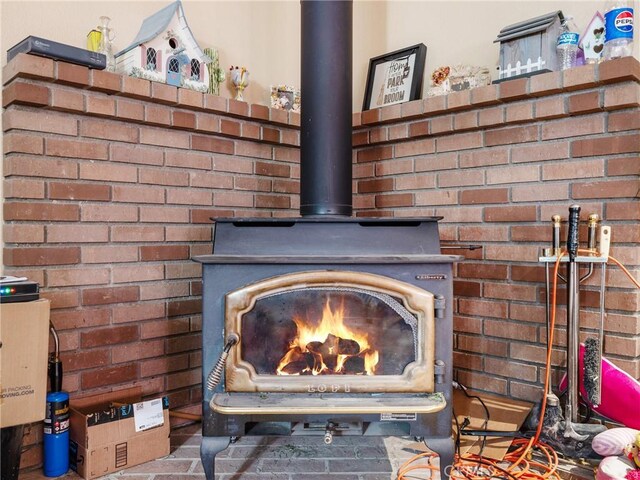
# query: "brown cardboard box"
24,333
103,434
506,415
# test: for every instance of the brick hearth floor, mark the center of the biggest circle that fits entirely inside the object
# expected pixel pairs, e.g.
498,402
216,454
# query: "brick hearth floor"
277,458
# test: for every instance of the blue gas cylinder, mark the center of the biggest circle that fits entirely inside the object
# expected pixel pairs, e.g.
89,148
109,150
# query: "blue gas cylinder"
56,434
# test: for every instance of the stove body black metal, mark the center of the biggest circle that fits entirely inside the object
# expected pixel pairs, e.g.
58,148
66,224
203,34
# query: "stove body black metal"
247,251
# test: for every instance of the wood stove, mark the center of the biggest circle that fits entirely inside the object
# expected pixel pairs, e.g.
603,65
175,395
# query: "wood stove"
344,328
327,324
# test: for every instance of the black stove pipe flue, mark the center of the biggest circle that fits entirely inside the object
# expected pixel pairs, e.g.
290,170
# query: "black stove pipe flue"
325,120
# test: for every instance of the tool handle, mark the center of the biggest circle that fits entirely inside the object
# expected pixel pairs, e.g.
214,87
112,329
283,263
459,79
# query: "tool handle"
572,237
556,234
54,368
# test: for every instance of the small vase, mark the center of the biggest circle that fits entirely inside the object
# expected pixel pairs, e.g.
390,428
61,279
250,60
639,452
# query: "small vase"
106,43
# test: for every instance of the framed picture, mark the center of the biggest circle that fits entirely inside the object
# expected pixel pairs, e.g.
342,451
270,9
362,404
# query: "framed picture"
395,77
285,97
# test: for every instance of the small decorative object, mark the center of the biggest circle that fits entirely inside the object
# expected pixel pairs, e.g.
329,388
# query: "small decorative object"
458,78
93,40
240,80
439,75
395,77
216,74
106,43
621,447
592,40
632,451
528,48
285,97
613,441
166,51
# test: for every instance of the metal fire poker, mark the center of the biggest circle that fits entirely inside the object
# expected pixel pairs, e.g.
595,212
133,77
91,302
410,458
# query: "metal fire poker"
573,326
567,434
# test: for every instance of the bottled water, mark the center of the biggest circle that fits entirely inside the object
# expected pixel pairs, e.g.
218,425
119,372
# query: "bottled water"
567,45
618,33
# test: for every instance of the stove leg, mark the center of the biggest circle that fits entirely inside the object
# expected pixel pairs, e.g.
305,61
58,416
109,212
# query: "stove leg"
209,448
445,448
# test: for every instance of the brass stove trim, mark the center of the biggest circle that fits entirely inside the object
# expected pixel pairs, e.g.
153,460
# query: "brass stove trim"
300,404
418,376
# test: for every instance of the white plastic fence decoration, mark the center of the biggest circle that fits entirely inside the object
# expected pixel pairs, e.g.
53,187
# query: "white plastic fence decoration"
520,69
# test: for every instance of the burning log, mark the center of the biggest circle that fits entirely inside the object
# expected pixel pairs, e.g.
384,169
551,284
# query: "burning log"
348,347
293,368
314,347
334,346
354,365
295,361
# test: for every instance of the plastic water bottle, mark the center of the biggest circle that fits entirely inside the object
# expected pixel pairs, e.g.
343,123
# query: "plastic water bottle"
56,434
567,45
618,30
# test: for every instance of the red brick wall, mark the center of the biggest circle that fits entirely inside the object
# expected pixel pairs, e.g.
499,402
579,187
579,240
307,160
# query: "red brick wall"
109,186
497,162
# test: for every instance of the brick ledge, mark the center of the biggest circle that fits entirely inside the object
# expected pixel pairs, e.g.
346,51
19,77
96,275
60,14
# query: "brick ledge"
46,69
580,78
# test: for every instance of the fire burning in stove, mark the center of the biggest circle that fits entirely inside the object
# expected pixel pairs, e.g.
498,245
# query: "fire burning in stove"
330,348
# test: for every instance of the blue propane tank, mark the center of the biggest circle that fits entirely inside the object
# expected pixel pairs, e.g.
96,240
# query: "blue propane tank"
56,434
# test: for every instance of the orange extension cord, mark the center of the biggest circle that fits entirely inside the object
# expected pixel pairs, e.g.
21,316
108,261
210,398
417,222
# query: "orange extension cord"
518,463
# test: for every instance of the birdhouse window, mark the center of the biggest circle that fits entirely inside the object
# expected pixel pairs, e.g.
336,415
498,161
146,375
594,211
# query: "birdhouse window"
174,65
195,70
151,59
173,43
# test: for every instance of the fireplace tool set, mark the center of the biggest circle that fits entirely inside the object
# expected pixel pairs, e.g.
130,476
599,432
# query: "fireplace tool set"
564,432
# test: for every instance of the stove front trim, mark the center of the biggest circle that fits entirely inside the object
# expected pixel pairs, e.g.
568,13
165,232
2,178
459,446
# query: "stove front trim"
417,377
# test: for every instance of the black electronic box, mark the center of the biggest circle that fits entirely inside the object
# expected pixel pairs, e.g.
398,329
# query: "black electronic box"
58,51
18,290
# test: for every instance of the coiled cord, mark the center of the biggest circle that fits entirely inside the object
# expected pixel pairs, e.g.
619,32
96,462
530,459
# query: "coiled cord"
213,380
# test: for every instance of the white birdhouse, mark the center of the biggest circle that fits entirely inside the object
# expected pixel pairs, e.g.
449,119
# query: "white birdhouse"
166,51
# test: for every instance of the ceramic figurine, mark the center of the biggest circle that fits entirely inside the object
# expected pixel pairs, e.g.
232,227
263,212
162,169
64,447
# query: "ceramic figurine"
240,80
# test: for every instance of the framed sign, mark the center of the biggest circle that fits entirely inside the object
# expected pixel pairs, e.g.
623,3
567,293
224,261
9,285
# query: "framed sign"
395,77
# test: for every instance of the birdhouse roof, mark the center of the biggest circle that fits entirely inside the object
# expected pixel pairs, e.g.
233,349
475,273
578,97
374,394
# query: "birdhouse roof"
155,24
528,27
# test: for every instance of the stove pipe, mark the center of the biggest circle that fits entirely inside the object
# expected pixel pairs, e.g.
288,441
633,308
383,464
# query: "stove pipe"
325,120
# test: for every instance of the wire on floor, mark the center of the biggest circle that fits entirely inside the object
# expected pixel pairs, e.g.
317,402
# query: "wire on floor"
518,463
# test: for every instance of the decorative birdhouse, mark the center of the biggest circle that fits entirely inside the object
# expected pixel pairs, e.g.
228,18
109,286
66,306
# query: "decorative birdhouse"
165,50
529,47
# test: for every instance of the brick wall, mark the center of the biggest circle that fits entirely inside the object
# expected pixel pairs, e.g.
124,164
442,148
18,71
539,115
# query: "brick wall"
497,162
110,183
109,186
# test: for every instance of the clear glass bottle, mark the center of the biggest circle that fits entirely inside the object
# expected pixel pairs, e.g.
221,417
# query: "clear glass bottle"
618,30
106,43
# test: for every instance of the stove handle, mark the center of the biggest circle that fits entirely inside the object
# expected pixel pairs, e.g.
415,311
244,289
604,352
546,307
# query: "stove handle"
215,375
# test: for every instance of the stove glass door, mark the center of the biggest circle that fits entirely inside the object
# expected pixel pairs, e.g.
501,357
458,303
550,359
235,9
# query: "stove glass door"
331,331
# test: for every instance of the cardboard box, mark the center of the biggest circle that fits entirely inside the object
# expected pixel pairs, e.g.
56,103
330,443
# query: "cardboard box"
103,432
24,333
506,415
